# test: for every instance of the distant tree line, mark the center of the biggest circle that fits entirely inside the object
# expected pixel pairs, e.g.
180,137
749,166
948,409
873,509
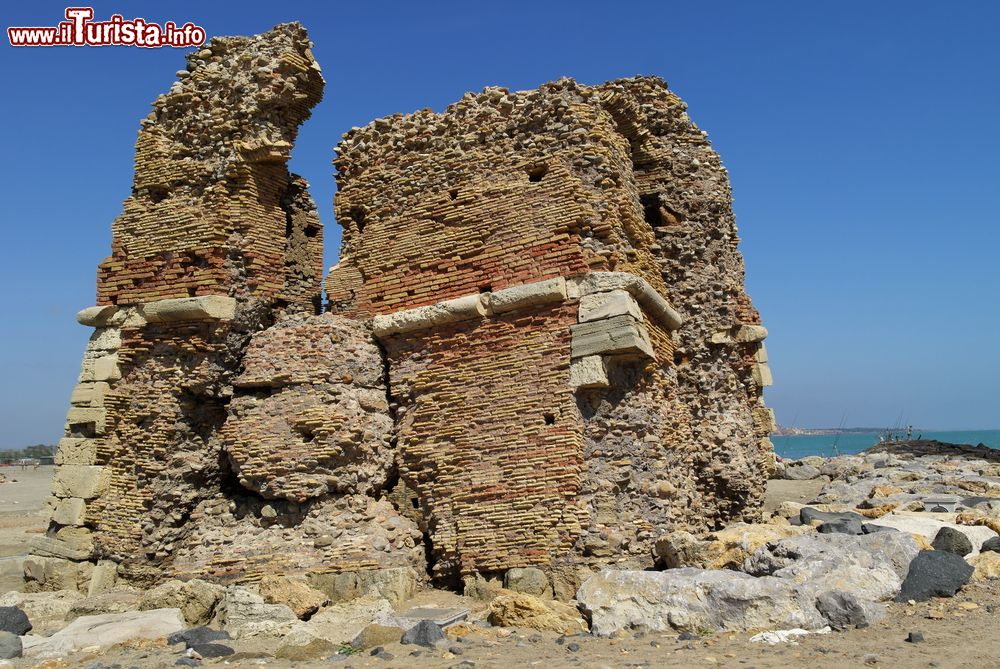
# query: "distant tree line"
36,451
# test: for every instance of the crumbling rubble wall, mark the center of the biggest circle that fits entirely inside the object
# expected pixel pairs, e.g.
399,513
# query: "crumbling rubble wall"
537,349
554,276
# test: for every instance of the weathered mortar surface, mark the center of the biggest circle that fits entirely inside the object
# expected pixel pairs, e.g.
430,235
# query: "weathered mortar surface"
310,415
540,351
216,241
607,188
213,208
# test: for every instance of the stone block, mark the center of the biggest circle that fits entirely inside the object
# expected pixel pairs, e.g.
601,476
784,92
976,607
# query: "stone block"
760,355
656,305
621,335
528,294
76,451
104,368
70,511
598,306
763,419
762,375
103,578
105,339
57,573
746,334
96,316
448,311
57,548
89,394
588,372
207,307
83,481
87,421
204,308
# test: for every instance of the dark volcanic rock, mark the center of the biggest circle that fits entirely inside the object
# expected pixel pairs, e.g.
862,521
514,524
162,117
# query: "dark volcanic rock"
991,544
934,574
952,540
868,528
197,636
807,515
14,620
212,650
841,526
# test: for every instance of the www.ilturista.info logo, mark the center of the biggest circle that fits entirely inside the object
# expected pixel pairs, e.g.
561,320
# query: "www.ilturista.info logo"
80,30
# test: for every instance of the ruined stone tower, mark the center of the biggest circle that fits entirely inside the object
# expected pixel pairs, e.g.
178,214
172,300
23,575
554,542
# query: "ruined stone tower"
536,349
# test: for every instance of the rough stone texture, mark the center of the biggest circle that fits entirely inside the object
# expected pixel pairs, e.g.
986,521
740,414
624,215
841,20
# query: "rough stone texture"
844,610
538,351
514,190
523,610
294,593
310,415
986,565
104,631
10,645
934,574
723,549
244,613
694,600
953,541
196,599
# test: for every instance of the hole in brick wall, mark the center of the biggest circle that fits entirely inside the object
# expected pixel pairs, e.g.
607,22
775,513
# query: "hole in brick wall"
311,231
158,193
357,215
486,288
536,173
453,193
83,430
415,501
550,419
192,291
651,209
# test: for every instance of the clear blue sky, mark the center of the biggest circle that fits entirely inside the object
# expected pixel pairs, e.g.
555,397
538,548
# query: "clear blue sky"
862,140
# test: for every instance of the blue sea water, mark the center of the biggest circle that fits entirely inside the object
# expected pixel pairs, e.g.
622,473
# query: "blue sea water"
828,445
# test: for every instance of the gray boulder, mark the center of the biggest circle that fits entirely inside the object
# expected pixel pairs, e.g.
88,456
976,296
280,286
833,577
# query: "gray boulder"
892,550
425,633
690,599
808,515
991,544
10,645
842,526
801,472
844,610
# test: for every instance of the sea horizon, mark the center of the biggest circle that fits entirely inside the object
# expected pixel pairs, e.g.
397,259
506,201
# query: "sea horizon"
845,443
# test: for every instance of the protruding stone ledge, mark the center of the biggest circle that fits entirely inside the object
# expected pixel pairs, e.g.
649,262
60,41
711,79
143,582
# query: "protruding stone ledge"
603,295
527,295
449,311
96,317
204,308
621,335
654,303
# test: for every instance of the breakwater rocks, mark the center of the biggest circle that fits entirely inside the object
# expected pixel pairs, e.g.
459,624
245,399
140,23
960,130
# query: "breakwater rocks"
871,544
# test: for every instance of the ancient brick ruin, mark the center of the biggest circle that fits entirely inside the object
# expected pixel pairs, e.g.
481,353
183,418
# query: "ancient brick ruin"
536,348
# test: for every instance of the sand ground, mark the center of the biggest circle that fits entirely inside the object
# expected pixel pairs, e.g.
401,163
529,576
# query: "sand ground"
959,633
